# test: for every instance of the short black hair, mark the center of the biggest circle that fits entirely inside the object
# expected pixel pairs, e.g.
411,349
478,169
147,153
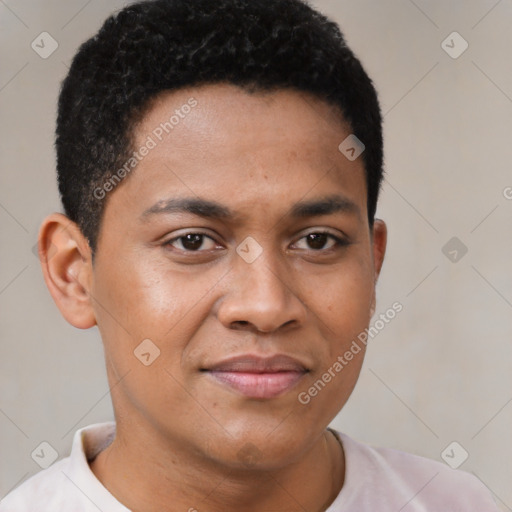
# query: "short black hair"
163,45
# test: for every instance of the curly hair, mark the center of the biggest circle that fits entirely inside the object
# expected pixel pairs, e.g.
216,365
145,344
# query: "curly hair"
163,45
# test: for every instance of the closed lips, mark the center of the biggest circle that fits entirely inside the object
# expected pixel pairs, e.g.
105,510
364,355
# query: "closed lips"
256,364
256,377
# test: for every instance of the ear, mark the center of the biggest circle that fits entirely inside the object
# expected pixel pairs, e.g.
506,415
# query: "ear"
66,261
379,242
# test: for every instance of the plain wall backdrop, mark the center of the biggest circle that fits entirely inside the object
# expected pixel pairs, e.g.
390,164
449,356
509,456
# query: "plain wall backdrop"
441,370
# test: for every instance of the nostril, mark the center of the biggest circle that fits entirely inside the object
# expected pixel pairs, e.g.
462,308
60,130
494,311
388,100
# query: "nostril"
240,323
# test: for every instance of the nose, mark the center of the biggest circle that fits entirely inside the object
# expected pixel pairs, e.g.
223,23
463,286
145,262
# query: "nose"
260,297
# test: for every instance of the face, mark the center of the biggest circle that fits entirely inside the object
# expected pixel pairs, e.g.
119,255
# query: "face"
239,249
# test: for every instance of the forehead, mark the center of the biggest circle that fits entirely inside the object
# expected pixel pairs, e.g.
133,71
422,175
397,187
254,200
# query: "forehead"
244,149
222,111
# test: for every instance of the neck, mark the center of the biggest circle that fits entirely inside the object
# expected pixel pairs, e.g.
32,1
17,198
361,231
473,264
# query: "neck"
178,480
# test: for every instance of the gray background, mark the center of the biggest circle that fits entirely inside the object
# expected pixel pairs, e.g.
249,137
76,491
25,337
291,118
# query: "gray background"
441,370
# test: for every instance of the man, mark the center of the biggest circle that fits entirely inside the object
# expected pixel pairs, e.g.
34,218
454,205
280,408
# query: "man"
219,163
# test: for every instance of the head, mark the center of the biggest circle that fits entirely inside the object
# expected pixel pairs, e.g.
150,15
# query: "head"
210,213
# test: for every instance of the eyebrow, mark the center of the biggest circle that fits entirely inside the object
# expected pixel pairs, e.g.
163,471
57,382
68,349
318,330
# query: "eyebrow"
213,210
325,206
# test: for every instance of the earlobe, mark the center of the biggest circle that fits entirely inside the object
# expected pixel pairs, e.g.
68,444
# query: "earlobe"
66,263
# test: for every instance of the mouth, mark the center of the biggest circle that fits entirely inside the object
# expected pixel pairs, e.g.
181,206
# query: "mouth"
258,377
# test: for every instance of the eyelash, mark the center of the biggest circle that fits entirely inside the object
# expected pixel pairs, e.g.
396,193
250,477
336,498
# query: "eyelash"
339,242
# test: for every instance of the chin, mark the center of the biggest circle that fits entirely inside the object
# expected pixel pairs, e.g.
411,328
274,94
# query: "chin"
257,450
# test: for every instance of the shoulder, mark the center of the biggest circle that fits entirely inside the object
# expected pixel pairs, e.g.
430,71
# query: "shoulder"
422,483
68,484
43,492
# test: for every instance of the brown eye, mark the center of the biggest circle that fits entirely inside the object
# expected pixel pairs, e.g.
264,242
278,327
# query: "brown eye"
317,240
192,242
320,241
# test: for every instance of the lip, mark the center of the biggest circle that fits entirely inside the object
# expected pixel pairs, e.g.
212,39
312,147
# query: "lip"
258,377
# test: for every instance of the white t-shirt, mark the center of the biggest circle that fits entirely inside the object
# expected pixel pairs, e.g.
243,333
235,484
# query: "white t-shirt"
376,480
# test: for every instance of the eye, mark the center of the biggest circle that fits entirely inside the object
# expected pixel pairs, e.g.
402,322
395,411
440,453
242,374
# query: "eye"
317,241
192,242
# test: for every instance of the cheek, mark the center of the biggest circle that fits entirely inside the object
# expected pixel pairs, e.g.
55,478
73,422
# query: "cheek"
140,302
143,300
342,301
146,299
343,309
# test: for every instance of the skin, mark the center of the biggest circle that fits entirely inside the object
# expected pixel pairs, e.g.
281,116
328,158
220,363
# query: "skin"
183,439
